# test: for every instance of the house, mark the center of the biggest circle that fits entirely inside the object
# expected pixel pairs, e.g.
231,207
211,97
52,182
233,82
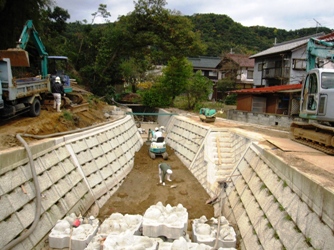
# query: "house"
284,63
278,74
280,99
239,67
233,66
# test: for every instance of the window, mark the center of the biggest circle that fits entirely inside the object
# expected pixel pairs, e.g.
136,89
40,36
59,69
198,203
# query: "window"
299,64
260,66
250,73
213,73
327,80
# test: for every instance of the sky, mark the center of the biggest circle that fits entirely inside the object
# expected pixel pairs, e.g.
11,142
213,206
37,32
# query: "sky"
283,14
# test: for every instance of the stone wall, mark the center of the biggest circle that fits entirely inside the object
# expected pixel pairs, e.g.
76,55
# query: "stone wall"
260,118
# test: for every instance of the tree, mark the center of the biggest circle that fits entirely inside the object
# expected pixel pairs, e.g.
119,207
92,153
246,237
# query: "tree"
13,16
176,76
130,72
156,96
198,89
102,12
158,33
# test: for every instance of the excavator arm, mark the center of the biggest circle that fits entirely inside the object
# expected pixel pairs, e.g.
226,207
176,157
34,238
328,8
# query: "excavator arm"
30,31
318,49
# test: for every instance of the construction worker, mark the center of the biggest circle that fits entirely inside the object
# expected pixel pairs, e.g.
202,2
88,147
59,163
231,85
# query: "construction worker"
57,91
165,171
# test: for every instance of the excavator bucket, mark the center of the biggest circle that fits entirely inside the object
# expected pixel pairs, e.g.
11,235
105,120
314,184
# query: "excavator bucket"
18,57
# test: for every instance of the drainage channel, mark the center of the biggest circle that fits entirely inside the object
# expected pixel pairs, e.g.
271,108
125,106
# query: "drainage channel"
246,183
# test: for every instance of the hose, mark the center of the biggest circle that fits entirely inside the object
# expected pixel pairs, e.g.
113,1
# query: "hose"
19,136
38,198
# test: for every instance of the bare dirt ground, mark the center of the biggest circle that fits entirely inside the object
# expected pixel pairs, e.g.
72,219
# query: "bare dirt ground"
141,189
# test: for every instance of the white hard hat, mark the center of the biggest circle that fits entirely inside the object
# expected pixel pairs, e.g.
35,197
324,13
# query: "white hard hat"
156,129
169,171
58,79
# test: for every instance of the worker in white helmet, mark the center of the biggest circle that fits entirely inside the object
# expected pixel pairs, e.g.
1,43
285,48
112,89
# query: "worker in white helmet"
57,91
165,171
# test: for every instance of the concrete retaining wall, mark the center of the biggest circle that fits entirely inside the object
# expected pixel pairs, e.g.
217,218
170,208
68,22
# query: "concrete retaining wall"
276,207
74,172
260,118
270,204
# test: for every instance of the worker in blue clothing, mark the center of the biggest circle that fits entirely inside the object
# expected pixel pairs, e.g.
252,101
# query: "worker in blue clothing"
165,171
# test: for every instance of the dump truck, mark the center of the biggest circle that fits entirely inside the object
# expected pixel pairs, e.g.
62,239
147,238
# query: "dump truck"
20,95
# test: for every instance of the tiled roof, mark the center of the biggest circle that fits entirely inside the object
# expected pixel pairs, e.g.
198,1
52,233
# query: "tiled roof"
241,60
205,62
328,37
272,89
286,46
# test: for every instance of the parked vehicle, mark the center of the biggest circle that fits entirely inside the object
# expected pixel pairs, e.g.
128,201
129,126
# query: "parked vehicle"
317,99
21,94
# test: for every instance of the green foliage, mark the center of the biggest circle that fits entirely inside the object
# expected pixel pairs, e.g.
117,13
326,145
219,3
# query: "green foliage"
68,116
198,89
156,97
221,34
231,99
308,241
176,76
263,186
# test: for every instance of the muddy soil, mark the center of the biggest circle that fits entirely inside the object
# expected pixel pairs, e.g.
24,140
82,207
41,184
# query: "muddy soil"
141,189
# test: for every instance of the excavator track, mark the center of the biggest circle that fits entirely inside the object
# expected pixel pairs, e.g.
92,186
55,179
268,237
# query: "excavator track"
315,135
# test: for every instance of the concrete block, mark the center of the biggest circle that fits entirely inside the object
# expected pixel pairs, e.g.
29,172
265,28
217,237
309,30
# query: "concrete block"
127,240
118,223
63,235
205,232
181,243
170,222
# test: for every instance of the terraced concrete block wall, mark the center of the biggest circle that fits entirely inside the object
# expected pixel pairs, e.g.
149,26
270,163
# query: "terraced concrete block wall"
270,211
210,154
74,172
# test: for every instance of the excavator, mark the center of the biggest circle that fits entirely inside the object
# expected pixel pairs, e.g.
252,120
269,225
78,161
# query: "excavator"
19,57
316,128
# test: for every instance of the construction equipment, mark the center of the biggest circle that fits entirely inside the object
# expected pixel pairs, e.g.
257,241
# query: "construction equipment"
22,94
157,146
57,65
207,115
317,99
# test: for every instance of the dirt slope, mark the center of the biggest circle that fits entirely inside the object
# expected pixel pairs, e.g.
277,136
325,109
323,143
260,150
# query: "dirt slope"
50,122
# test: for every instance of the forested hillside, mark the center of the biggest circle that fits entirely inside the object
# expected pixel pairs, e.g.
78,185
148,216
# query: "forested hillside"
221,34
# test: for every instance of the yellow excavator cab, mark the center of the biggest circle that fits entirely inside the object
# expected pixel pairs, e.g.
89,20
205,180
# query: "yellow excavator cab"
18,57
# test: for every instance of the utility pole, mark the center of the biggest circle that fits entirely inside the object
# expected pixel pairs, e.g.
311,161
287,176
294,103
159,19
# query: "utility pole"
317,24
